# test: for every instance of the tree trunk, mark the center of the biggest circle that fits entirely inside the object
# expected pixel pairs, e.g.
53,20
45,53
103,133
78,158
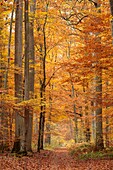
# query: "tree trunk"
31,72
98,104
75,115
76,124
19,138
87,124
48,124
43,88
26,73
98,101
97,96
9,49
41,122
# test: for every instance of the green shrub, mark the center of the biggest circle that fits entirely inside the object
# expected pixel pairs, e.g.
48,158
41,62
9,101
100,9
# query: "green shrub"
87,151
91,155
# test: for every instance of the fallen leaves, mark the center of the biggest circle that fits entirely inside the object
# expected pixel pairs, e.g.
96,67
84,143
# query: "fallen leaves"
59,159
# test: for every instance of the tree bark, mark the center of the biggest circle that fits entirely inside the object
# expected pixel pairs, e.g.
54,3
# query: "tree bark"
48,124
43,88
19,138
98,104
26,72
98,100
31,72
97,90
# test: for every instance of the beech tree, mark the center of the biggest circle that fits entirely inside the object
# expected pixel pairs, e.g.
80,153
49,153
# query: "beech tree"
98,94
31,71
19,130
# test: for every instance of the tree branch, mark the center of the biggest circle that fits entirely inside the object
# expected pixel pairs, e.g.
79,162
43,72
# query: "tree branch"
52,76
95,3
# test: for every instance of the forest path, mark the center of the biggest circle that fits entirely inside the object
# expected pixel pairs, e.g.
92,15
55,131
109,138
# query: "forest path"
58,159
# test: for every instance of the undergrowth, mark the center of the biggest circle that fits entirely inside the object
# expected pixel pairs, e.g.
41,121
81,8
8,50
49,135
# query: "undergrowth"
87,151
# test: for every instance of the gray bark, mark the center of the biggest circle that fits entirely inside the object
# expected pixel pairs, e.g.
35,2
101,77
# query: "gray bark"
97,96
19,137
48,124
98,104
31,71
98,101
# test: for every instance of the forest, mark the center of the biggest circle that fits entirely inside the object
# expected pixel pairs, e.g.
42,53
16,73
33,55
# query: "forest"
56,76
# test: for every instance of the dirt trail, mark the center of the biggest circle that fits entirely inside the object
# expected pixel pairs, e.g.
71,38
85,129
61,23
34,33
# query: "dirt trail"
59,159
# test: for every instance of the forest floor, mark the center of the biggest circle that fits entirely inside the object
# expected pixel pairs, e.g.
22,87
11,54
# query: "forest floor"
58,159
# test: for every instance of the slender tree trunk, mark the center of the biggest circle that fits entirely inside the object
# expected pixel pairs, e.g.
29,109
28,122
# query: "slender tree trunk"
48,124
74,105
42,129
31,71
10,126
19,138
48,133
75,115
9,49
87,124
107,132
98,100
97,96
26,73
41,122
98,104
76,124
43,89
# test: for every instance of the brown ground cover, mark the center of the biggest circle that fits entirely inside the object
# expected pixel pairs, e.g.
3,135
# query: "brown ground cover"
59,159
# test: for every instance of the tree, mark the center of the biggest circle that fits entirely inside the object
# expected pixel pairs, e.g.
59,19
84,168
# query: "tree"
19,130
43,48
98,97
31,71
